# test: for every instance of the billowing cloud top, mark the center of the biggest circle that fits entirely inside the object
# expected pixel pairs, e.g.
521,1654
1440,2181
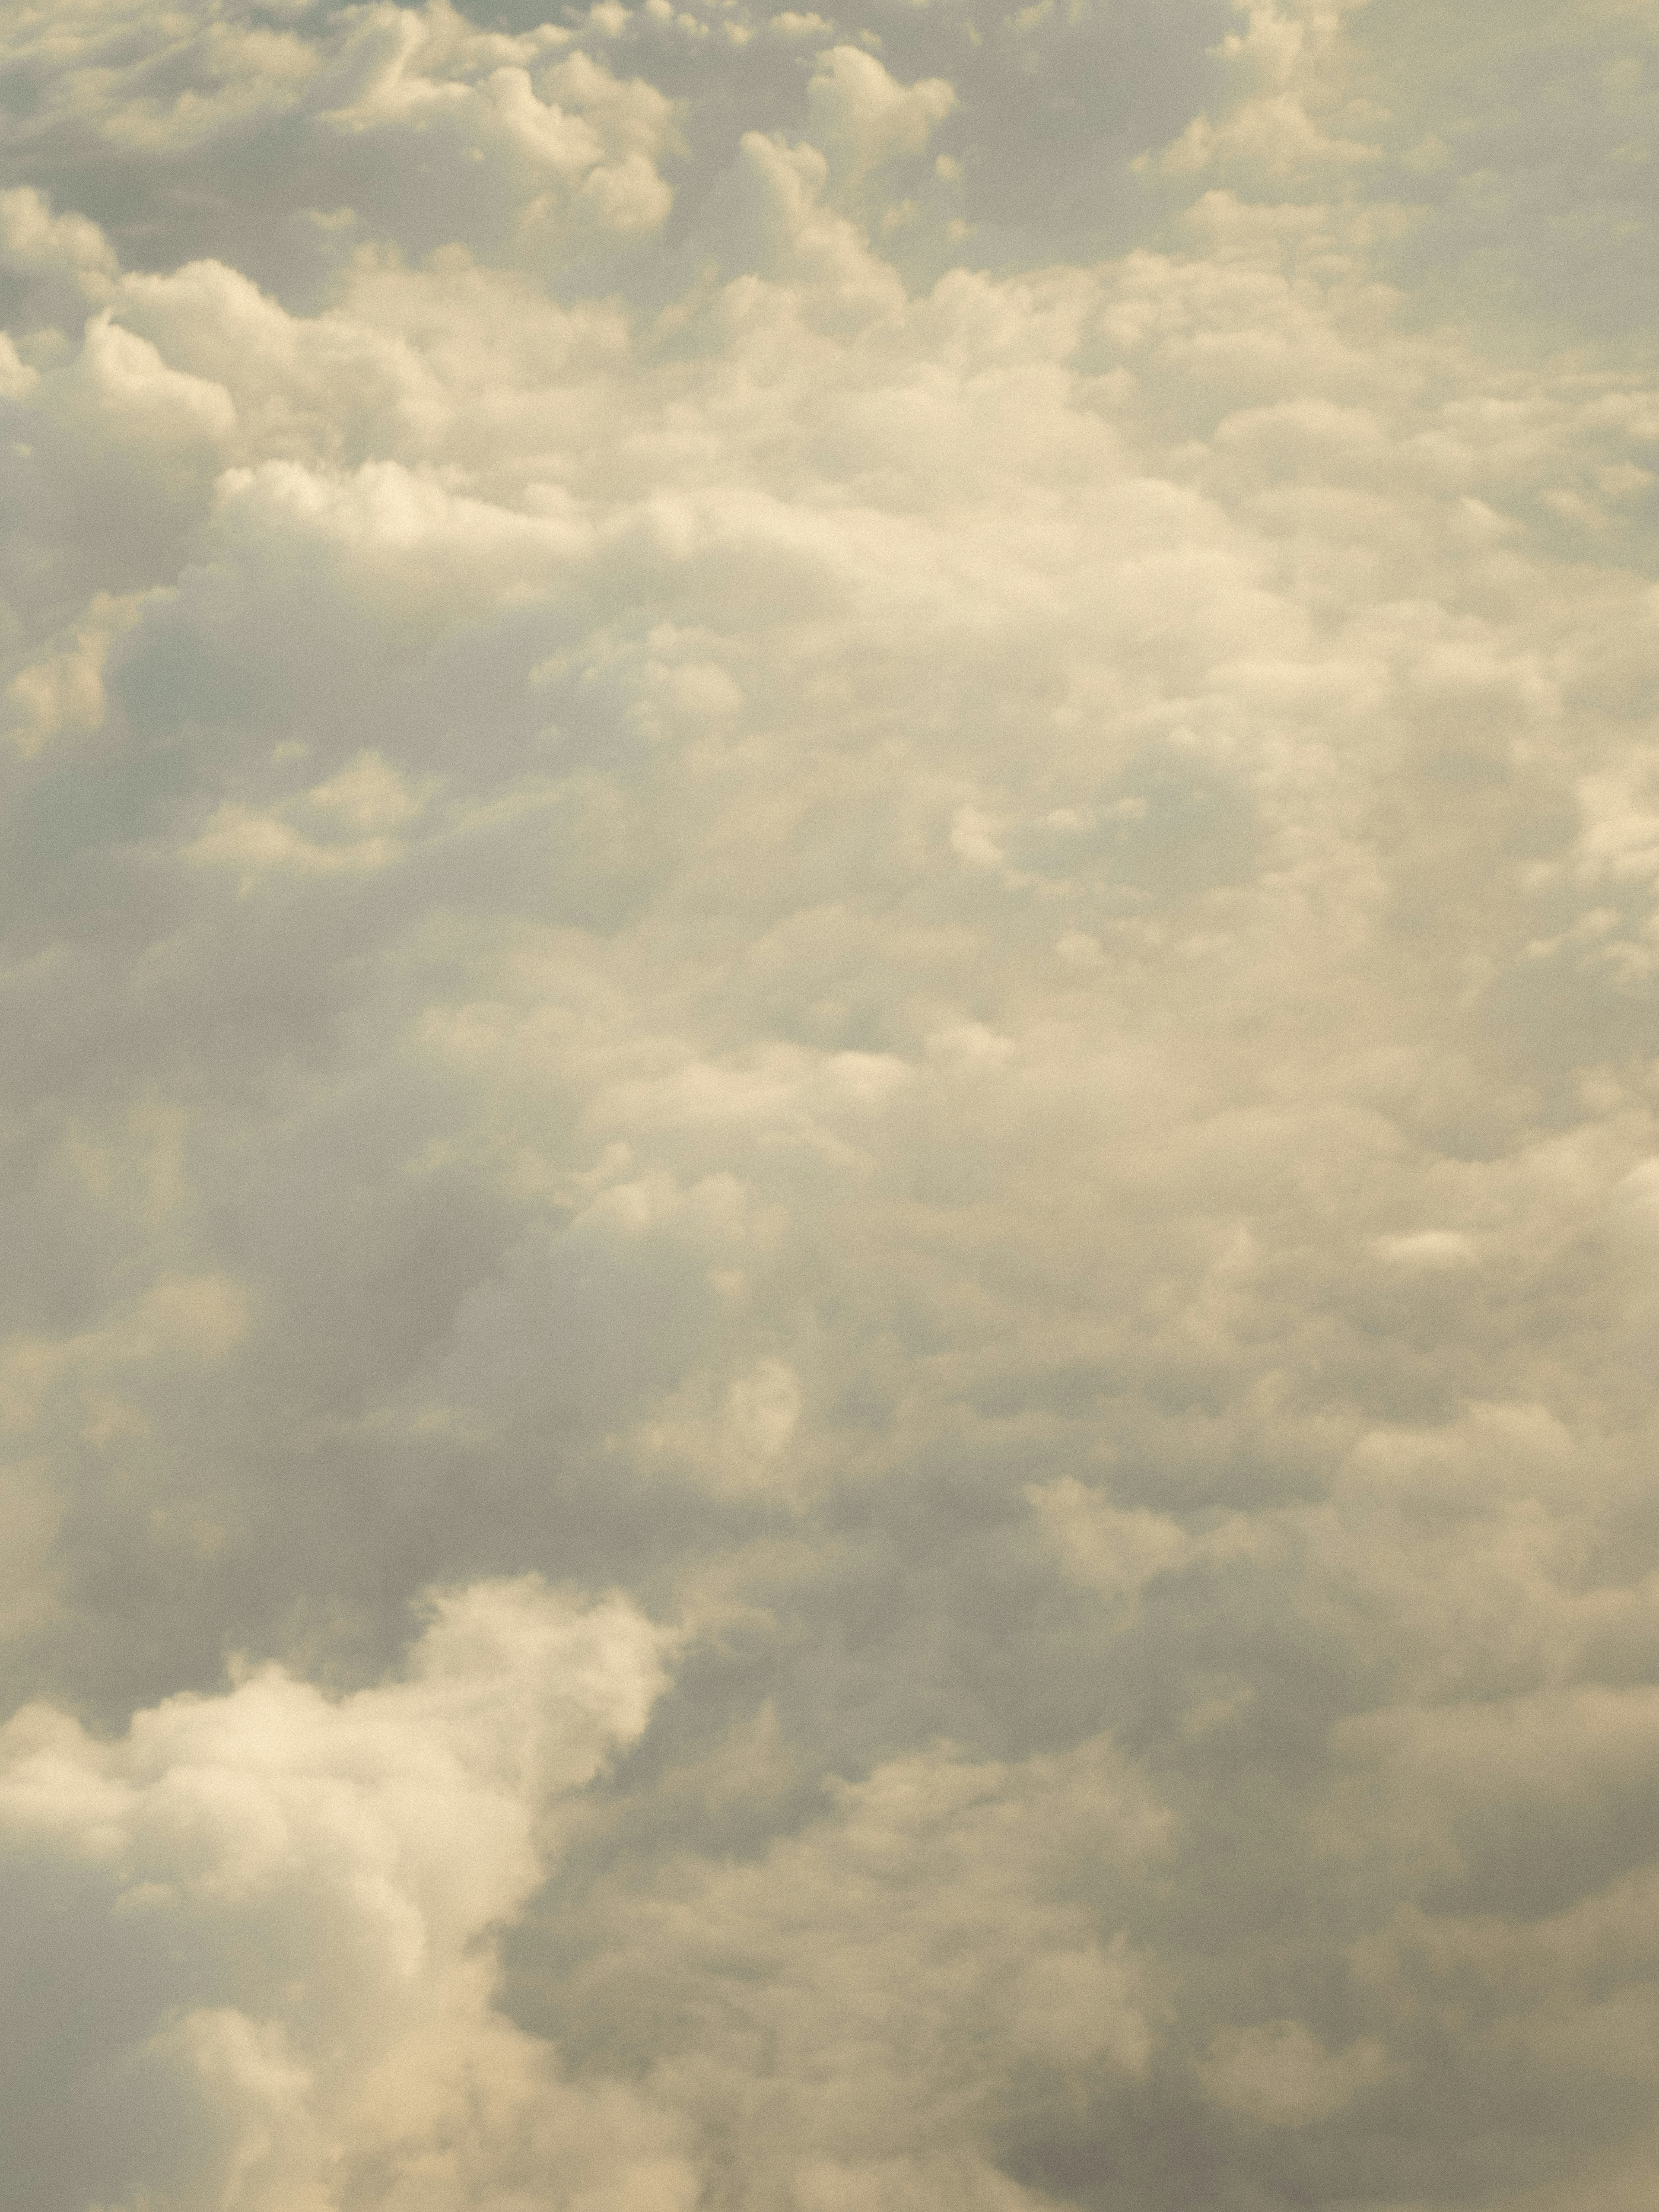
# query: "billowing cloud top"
830,1109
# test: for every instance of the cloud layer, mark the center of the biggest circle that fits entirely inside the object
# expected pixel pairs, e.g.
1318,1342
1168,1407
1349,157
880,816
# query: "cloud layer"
848,828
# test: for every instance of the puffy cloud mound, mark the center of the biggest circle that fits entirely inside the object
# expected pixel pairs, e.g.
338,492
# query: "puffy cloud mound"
252,1931
852,823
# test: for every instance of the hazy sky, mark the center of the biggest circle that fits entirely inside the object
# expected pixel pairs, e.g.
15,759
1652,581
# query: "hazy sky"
830,1364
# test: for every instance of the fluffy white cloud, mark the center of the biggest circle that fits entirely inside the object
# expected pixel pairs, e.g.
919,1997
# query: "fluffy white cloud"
253,1931
849,821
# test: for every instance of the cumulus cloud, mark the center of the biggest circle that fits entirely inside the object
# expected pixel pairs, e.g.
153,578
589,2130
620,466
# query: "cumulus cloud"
848,822
254,1929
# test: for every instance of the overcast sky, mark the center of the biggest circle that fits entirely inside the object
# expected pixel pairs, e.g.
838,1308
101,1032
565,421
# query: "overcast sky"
830,1106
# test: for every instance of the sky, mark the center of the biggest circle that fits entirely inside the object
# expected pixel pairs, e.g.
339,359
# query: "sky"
829,1113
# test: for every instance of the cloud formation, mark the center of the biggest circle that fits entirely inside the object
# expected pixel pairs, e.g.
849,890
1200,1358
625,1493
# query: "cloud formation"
249,1929
848,823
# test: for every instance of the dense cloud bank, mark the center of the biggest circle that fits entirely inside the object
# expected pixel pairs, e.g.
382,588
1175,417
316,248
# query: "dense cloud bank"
831,1108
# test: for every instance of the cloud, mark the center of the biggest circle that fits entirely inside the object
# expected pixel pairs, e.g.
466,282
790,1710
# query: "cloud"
849,824
853,2004
1279,2077
259,1925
